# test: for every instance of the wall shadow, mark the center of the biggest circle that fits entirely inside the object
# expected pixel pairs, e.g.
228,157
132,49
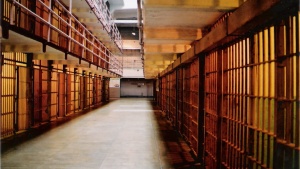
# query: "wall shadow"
174,151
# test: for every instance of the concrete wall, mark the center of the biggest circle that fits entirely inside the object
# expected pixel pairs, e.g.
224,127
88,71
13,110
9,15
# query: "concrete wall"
133,73
114,88
136,88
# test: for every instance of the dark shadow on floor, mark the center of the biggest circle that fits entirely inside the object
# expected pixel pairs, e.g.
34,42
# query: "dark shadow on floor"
174,151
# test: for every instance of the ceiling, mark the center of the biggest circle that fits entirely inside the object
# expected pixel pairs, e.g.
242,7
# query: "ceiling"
169,27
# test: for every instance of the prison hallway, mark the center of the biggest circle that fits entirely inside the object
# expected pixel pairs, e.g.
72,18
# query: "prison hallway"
129,133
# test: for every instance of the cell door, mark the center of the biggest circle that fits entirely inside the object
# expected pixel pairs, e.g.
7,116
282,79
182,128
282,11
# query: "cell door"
24,95
90,90
68,94
83,97
53,109
61,95
8,116
75,92
40,93
95,92
105,87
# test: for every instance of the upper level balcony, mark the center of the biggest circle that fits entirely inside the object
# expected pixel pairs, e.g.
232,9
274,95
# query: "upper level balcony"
97,18
62,35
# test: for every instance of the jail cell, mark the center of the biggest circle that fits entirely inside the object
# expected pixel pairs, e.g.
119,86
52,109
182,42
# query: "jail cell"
24,94
21,18
6,7
103,56
96,59
164,93
41,95
179,99
287,113
168,92
211,114
62,111
48,21
158,91
186,118
89,55
90,91
97,90
172,93
69,103
75,91
54,104
194,104
236,100
63,26
261,103
15,94
8,116
75,48
105,89
83,93
41,29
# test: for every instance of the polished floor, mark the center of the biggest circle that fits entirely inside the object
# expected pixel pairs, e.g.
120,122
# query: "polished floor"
124,134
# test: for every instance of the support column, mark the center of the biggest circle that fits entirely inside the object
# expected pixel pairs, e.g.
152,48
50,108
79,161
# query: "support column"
31,87
75,76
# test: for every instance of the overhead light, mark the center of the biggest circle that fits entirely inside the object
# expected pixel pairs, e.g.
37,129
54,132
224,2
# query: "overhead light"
133,33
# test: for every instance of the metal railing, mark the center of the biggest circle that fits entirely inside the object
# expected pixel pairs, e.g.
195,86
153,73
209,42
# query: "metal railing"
80,41
102,13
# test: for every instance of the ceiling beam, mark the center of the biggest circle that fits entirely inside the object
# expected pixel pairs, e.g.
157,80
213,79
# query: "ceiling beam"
165,48
206,4
48,56
89,20
82,10
22,48
173,33
160,57
74,63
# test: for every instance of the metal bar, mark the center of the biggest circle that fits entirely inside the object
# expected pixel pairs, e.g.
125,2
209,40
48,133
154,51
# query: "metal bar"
16,97
49,21
58,30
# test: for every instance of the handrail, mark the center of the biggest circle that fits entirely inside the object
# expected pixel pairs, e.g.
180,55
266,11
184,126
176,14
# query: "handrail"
77,21
113,62
106,20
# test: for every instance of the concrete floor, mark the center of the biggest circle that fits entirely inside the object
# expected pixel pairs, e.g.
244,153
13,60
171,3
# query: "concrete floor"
124,134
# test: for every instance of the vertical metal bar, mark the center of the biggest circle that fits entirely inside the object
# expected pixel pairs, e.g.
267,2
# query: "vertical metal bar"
1,64
16,98
70,24
49,79
83,52
49,22
12,14
297,96
219,101
176,98
74,102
